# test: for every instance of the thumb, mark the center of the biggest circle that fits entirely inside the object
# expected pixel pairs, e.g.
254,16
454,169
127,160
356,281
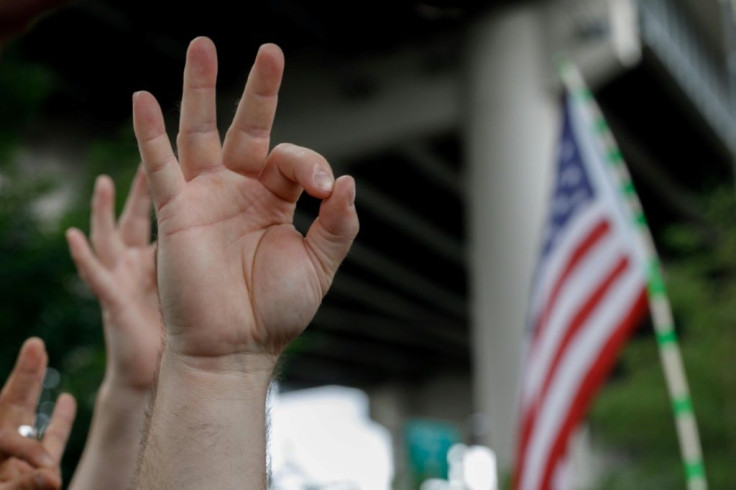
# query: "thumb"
332,233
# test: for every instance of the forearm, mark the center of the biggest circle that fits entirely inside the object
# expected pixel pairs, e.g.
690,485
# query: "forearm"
109,456
207,427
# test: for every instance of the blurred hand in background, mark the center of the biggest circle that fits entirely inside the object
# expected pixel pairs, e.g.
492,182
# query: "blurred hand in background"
118,266
27,462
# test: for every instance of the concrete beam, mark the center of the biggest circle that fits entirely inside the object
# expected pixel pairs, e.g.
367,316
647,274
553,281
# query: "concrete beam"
400,276
432,166
399,215
436,335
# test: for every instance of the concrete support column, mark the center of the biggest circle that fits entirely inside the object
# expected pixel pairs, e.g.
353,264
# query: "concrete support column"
512,123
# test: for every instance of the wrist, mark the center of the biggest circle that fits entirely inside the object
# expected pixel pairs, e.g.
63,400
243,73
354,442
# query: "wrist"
118,417
247,372
250,363
219,402
119,383
114,393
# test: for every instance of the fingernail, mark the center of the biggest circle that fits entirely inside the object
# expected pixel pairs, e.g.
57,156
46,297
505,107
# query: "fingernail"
47,461
324,180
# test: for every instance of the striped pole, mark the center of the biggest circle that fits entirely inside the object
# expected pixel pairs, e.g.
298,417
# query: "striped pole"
669,350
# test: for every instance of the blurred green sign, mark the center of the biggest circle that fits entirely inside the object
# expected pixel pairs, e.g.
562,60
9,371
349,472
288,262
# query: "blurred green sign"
427,442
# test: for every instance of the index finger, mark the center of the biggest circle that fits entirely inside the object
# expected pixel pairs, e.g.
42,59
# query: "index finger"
163,173
247,141
13,445
23,387
135,220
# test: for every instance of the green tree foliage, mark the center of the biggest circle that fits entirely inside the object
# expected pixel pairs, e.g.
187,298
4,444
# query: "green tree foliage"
633,416
40,292
23,88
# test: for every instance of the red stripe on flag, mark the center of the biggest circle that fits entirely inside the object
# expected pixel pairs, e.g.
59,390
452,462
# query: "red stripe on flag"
601,229
592,382
530,413
581,317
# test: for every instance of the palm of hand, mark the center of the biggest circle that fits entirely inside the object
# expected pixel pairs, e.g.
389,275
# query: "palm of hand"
240,248
234,275
132,318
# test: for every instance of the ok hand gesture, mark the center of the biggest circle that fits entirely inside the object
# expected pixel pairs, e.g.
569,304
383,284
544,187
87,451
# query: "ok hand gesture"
236,279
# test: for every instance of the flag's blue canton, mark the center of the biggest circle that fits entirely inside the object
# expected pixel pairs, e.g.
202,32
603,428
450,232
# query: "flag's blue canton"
573,189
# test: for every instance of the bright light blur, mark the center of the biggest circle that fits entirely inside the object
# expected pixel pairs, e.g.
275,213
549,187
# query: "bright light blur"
479,467
324,437
471,468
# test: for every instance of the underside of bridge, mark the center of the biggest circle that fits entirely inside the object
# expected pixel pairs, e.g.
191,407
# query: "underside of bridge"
378,88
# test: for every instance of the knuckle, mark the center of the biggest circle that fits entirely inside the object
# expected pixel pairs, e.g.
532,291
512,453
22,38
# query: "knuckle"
283,148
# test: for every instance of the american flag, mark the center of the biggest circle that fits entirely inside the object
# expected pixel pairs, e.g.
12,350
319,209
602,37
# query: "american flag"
588,294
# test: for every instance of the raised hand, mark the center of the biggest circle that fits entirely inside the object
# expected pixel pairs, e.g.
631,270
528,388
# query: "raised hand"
119,269
236,280
235,277
27,463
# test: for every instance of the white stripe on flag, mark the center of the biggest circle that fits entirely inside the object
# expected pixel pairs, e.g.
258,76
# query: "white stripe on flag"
579,357
573,295
593,155
551,268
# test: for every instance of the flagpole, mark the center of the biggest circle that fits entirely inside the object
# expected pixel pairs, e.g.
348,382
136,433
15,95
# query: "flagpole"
659,305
